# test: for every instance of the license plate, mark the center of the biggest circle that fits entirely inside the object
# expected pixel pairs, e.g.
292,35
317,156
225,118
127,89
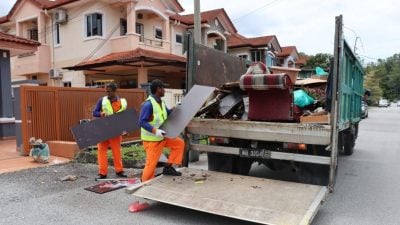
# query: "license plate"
254,153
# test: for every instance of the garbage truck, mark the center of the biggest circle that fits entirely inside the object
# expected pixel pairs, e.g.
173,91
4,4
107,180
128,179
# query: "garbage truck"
309,149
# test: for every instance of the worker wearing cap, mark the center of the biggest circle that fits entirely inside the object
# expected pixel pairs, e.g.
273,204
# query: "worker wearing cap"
106,106
153,113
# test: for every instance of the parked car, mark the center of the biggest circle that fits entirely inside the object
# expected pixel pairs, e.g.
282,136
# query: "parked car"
383,103
364,110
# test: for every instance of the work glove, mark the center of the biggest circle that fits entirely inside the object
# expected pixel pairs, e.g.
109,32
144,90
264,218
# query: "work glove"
160,133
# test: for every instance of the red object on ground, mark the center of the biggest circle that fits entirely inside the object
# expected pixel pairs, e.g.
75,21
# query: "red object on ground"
137,206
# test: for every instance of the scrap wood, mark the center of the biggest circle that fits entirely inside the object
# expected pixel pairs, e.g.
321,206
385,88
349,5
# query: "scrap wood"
69,178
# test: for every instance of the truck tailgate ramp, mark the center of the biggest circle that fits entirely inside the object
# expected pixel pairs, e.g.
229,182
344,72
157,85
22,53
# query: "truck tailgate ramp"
247,198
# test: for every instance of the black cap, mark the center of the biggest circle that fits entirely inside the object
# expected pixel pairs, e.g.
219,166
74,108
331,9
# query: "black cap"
156,84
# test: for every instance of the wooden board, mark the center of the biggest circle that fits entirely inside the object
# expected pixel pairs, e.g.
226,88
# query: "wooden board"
252,199
98,130
182,114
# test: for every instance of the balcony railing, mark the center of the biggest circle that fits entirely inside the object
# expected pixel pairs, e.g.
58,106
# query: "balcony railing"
32,62
151,42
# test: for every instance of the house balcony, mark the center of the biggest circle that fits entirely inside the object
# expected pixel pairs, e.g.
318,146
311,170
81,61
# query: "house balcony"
132,41
33,62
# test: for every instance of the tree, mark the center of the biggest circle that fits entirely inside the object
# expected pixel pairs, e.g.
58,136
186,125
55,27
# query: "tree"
386,74
321,59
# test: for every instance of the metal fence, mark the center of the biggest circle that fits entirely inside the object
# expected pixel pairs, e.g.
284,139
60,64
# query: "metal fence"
50,112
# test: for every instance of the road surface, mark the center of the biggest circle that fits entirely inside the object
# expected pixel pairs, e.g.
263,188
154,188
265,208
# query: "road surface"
367,189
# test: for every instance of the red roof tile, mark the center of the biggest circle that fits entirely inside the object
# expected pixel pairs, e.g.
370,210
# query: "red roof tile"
11,38
46,4
43,4
302,59
206,17
139,53
236,40
287,50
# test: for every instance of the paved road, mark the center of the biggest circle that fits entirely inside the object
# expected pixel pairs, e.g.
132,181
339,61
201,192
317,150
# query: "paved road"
368,185
367,190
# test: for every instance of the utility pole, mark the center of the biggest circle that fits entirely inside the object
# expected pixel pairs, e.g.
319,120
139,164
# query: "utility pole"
197,22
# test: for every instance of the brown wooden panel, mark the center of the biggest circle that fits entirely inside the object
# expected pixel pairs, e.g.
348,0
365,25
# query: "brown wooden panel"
50,112
215,68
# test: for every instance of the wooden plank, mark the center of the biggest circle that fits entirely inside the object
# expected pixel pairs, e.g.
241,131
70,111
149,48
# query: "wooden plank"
263,131
324,160
252,199
95,131
182,114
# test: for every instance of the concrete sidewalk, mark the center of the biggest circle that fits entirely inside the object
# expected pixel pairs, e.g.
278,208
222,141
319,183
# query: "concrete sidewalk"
11,161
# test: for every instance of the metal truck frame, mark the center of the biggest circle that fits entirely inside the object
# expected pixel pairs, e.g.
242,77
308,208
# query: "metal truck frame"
324,141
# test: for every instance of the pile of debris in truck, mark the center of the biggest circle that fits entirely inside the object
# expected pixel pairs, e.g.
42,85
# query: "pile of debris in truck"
274,96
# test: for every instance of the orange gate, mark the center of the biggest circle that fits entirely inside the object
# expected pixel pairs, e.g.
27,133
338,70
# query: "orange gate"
50,112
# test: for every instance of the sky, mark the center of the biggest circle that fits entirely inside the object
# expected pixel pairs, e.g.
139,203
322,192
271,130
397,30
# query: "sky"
371,27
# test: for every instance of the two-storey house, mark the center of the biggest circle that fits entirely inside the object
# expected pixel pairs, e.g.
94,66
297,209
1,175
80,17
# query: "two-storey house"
86,41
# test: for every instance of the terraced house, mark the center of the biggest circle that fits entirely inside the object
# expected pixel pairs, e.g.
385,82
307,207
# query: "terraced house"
84,41
131,42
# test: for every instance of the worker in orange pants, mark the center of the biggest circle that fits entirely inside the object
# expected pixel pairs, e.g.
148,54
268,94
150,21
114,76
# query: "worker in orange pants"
102,148
152,115
154,151
107,106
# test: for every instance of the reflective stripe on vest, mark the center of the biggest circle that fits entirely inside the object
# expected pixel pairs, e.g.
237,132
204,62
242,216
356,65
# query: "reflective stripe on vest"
159,116
107,108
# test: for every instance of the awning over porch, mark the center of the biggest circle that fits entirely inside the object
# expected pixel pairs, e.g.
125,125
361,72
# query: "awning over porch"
17,45
135,58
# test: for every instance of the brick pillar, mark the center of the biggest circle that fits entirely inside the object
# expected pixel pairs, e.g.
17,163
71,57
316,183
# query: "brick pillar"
142,76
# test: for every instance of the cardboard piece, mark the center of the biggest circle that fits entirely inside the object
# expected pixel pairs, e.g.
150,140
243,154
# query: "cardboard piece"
182,114
320,119
98,130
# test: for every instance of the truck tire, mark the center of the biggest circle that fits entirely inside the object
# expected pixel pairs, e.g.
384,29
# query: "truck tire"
313,174
241,166
349,140
219,162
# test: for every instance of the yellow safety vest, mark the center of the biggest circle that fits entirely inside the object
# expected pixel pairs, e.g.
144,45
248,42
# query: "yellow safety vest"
107,108
159,116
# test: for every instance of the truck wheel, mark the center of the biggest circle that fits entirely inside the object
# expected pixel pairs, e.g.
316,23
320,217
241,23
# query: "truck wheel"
219,162
241,166
313,174
349,139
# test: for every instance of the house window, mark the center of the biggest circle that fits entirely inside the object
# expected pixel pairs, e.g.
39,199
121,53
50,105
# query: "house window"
219,44
158,33
94,25
57,34
33,34
243,56
123,27
140,30
67,84
178,38
256,56
270,59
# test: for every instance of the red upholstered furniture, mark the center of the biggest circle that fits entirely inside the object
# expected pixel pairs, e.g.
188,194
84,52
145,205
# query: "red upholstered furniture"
270,96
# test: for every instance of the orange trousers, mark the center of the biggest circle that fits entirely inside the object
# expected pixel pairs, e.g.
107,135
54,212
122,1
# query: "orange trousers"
115,144
154,150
